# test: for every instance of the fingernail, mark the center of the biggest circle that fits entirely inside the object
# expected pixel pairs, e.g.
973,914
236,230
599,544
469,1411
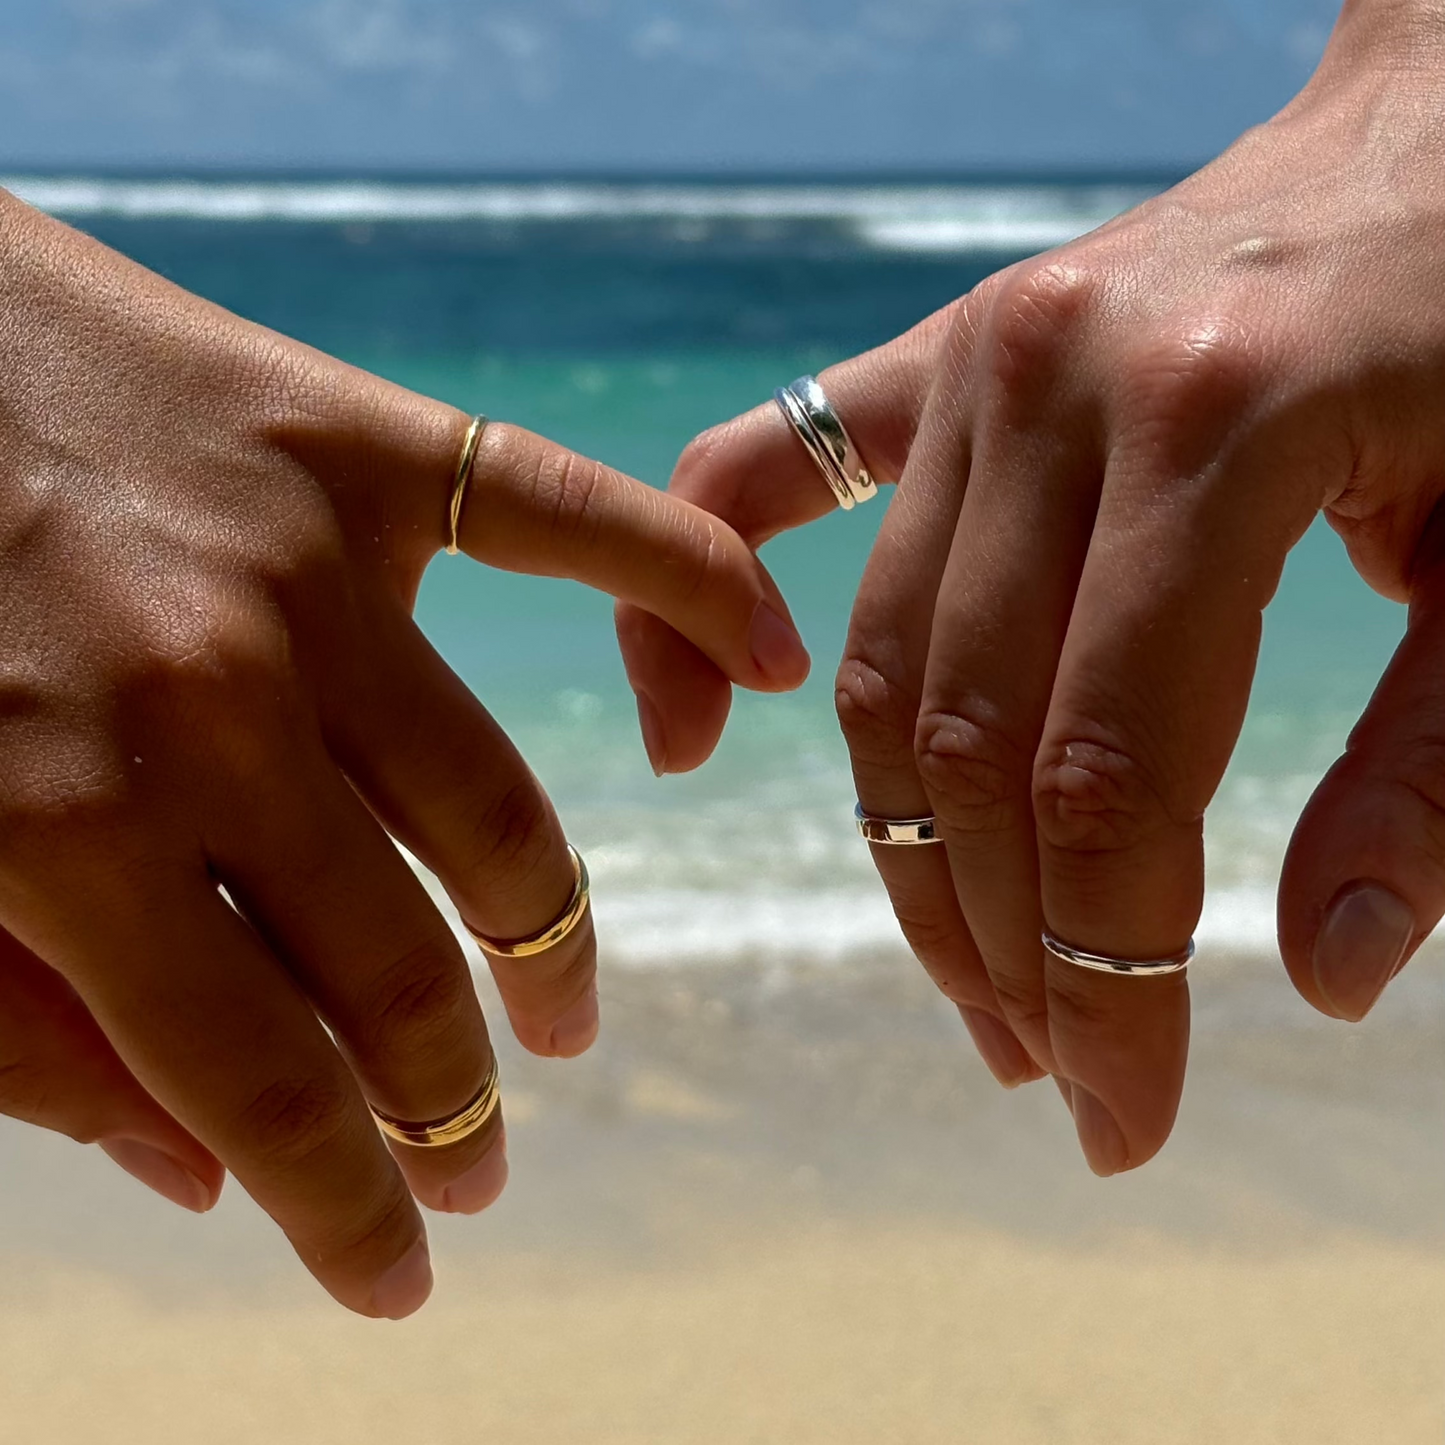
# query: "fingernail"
481,1186
1006,1058
778,651
575,1032
405,1287
1360,947
1102,1140
653,737
159,1171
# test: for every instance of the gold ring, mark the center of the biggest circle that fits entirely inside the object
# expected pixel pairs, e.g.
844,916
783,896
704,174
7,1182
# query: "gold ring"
438,1133
459,486
553,934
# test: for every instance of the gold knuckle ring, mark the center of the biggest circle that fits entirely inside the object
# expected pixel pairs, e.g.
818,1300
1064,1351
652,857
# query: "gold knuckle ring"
561,927
470,443
438,1133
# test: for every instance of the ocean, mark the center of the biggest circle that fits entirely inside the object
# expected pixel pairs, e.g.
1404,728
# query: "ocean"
622,318
781,1198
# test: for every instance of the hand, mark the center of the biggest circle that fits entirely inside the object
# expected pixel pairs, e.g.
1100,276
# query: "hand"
1052,649
210,542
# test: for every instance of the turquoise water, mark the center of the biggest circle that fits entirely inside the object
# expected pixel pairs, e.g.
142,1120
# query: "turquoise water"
622,329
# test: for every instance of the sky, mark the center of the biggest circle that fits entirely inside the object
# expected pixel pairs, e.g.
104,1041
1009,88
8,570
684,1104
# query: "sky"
691,86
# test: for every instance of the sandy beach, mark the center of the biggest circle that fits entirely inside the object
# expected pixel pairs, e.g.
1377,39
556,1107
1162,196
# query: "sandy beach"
793,1207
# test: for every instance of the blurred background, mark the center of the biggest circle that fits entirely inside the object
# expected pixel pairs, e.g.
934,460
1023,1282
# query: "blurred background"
781,1199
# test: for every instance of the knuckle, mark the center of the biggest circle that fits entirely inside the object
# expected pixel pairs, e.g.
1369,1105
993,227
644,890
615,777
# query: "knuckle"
1033,324
877,715
1024,1003
71,806
974,773
381,1230
510,839
564,489
422,1007
934,936
1078,1009
1179,391
1090,798
91,830
698,455
291,1123
699,565
26,1088
1419,770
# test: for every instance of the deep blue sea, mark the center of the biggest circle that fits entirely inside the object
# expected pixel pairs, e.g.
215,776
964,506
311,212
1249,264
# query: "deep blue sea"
622,318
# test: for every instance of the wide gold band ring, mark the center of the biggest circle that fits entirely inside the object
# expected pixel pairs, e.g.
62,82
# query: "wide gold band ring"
438,1133
564,924
470,443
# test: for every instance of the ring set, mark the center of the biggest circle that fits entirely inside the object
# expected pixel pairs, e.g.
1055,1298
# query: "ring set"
916,832
821,431
473,1115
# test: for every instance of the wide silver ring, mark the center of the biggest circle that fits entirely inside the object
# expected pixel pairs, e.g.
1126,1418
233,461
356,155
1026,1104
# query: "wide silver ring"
898,832
821,430
1128,967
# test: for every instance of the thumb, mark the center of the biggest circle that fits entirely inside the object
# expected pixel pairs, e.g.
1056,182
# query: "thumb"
1364,879
755,474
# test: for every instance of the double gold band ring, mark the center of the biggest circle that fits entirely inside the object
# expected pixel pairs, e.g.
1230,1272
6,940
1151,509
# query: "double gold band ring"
470,443
438,1133
560,927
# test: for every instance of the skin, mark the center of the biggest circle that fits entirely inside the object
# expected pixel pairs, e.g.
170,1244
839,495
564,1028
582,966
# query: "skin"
211,540
1105,456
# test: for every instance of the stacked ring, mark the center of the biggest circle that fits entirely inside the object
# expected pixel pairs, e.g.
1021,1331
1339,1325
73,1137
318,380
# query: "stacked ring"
439,1133
560,927
821,430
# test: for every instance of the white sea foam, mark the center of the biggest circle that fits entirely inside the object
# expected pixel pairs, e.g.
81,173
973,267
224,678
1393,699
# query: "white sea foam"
681,926
993,219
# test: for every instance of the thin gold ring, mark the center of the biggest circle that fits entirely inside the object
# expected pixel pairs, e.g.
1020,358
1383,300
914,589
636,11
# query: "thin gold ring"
438,1133
553,934
470,444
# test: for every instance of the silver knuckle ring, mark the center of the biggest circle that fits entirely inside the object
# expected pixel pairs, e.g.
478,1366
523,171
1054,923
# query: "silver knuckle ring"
820,429
1125,967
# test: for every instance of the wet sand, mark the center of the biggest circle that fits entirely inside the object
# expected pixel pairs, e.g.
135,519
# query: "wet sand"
795,1208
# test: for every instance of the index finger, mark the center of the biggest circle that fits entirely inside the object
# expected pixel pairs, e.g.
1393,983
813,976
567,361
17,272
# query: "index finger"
754,474
533,506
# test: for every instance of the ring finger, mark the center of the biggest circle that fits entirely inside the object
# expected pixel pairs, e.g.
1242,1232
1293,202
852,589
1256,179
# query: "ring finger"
332,895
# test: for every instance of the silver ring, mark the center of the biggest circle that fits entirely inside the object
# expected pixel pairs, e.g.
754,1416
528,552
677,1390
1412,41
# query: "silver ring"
900,832
1129,967
821,430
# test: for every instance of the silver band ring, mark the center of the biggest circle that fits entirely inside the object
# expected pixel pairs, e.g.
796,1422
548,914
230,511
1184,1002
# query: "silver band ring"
898,832
821,430
1129,967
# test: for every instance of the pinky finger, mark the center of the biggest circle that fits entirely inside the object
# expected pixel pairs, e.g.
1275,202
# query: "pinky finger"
59,1071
